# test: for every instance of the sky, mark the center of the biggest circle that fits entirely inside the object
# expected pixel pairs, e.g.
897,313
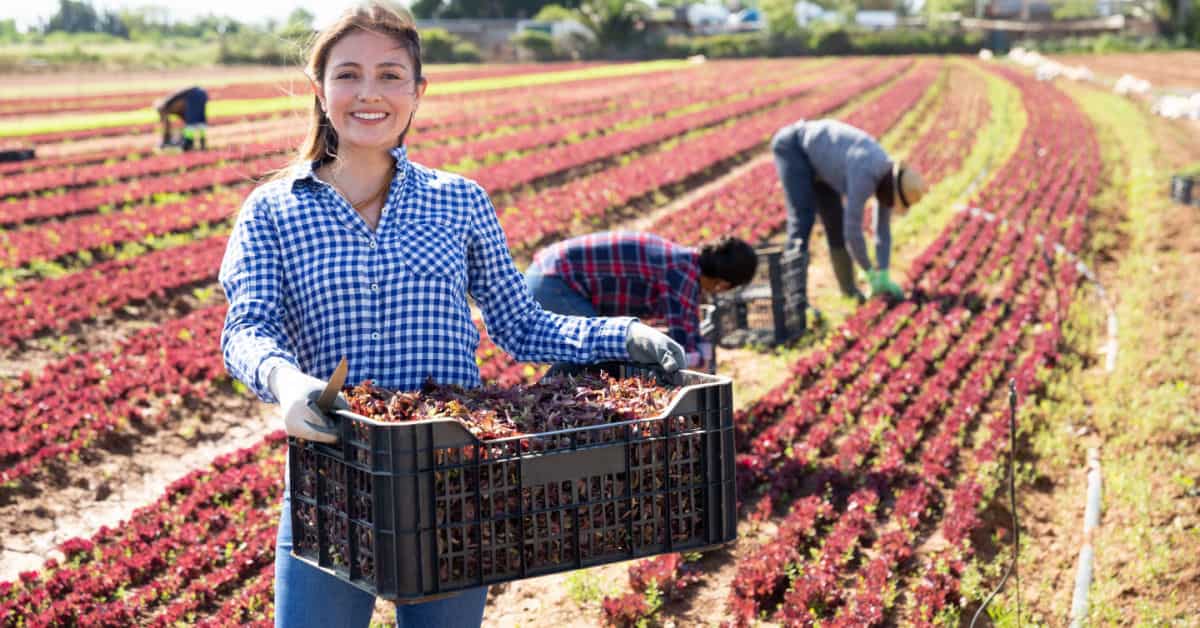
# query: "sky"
32,12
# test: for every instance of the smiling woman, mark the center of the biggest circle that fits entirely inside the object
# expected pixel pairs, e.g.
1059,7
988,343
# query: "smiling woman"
368,85
355,252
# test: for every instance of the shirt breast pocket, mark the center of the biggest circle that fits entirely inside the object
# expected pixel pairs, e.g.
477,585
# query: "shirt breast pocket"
433,251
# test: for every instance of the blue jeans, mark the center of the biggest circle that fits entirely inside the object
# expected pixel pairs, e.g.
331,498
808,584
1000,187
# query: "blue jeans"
807,197
307,596
555,295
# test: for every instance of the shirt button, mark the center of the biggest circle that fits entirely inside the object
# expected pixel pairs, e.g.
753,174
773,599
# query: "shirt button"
372,244
375,287
375,336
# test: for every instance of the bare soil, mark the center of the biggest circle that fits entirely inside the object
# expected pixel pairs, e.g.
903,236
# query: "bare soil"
132,469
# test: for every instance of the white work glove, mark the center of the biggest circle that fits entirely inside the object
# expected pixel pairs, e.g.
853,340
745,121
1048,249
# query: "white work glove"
297,394
647,345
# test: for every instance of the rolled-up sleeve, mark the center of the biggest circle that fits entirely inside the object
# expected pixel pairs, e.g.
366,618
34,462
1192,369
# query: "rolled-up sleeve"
253,341
514,320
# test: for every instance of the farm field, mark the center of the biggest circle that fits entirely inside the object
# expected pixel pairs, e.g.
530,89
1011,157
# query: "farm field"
140,485
1172,70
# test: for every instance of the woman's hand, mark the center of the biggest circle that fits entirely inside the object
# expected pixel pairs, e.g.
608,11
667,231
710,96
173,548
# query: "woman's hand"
647,345
297,394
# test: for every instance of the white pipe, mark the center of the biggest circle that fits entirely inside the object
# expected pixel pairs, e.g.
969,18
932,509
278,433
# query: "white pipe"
1091,520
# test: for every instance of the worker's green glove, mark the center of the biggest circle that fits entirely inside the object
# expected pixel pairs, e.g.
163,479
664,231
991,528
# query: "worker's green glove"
882,284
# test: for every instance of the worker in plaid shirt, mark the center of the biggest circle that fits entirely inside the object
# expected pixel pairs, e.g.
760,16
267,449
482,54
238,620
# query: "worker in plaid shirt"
628,273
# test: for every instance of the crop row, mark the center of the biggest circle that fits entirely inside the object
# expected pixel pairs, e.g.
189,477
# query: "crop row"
581,152
36,306
868,449
436,124
886,423
1061,175
124,101
66,300
751,205
550,127
459,111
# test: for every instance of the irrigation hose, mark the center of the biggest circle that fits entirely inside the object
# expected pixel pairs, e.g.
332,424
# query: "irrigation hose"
1091,520
1012,496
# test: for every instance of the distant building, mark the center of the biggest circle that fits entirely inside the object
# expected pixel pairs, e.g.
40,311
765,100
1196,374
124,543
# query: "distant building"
877,20
808,13
490,35
1018,10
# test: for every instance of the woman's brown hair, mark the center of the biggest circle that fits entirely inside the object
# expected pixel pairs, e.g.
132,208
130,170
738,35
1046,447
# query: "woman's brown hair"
376,16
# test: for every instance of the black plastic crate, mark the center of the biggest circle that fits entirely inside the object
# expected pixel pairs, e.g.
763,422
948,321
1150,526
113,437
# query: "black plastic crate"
408,511
773,312
1184,190
15,154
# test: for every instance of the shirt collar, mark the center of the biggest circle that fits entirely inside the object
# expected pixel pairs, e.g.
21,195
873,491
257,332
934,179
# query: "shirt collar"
304,170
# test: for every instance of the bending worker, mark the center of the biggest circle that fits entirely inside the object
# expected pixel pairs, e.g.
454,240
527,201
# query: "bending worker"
640,274
821,161
189,104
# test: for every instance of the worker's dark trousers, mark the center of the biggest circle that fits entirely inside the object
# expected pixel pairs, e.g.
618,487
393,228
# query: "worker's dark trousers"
807,197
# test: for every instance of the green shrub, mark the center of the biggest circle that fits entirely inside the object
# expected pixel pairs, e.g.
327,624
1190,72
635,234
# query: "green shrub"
739,45
466,52
905,41
251,47
539,45
831,41
441,46
790,43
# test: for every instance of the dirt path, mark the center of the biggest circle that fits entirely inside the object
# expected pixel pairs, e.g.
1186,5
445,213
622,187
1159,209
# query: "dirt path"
103,490
132,466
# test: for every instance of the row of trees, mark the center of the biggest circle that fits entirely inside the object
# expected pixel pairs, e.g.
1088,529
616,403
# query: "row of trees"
619,27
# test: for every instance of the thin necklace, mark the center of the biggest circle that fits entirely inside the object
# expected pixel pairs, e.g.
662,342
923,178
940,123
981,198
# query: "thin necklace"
370,199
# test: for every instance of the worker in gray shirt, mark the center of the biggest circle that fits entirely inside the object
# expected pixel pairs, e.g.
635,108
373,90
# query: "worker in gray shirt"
821,161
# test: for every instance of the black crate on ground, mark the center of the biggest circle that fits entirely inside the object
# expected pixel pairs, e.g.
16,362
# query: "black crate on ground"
767,313
414,510
1184,190
15,154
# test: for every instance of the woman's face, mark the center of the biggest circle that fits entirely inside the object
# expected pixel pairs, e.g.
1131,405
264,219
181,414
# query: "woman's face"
370,90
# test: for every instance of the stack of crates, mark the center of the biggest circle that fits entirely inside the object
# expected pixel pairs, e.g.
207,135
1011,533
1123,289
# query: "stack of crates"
771,311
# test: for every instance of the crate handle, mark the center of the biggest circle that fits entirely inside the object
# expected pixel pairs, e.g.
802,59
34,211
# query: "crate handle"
582,463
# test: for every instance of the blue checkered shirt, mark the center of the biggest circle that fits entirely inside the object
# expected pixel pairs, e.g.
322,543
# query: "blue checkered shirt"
308,282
